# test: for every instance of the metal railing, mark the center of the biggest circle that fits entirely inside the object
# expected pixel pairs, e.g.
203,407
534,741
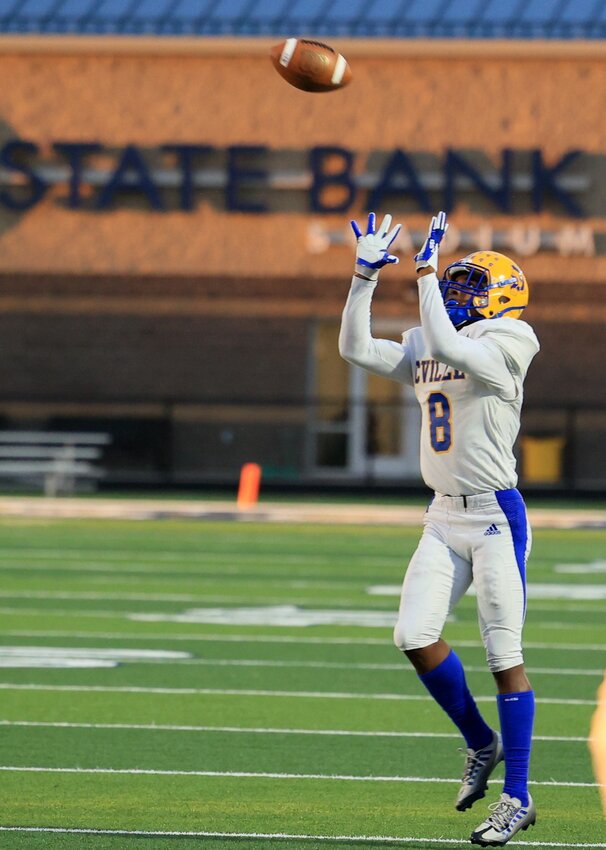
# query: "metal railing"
303,441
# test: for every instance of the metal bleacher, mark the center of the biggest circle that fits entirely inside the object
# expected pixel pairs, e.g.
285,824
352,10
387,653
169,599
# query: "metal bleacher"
58,462
529,19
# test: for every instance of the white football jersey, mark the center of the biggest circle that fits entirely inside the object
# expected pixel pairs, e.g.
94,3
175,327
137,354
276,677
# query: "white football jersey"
468,383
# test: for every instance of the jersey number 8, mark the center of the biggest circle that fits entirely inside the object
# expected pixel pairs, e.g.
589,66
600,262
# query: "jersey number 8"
439,422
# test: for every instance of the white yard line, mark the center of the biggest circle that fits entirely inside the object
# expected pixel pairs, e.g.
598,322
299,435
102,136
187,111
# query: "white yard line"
382,617
200,601
563,608
102,554
96,596
138,561
249,774
558,625
110,653
402,667
589,592
5,686
64,613
535,590
156,727
209,577
148,656
120,556
195,636
280,836
252,638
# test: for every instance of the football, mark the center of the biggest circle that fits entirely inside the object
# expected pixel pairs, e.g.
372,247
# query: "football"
310,65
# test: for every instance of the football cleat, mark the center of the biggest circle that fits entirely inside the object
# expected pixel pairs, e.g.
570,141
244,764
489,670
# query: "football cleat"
506,818
479,764
483,285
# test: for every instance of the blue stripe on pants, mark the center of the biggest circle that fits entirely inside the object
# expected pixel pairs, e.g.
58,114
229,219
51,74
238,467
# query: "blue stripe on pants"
512,505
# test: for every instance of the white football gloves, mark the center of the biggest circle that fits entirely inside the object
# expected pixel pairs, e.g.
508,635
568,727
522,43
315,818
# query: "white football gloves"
371,250
428,255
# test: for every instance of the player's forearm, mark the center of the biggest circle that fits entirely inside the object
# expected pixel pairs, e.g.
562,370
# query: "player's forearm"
357,344
355,338
444,343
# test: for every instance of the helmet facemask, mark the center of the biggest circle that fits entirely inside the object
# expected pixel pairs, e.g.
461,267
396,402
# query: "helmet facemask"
464,288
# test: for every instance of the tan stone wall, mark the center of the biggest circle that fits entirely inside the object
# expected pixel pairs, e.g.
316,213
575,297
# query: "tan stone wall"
480,96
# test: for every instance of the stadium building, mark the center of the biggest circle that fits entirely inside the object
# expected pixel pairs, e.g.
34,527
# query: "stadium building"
175,248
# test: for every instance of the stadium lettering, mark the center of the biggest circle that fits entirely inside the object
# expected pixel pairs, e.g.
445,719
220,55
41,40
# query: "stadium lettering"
11,158
401,179
525,239
250,178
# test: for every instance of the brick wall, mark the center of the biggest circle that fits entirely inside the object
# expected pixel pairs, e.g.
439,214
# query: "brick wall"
189,338
151,359
477,96
129,305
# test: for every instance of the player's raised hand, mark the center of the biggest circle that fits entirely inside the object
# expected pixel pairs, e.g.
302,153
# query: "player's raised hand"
372,248
428,255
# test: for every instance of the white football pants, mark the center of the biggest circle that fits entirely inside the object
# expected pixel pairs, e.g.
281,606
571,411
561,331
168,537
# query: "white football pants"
484,539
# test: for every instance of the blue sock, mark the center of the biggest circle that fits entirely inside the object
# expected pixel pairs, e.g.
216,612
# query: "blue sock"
516,712
446,683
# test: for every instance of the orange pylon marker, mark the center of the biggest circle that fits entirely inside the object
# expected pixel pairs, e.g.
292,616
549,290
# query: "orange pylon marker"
250,482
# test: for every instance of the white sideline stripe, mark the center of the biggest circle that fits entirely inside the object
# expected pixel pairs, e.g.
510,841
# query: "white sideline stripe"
116,689
249,774
254,638
254,730
391,839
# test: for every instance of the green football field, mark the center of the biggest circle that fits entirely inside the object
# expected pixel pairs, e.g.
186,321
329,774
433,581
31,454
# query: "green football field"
178,684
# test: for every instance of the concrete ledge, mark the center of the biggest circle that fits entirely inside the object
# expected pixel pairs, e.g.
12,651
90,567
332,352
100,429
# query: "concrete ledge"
325,513
381,48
